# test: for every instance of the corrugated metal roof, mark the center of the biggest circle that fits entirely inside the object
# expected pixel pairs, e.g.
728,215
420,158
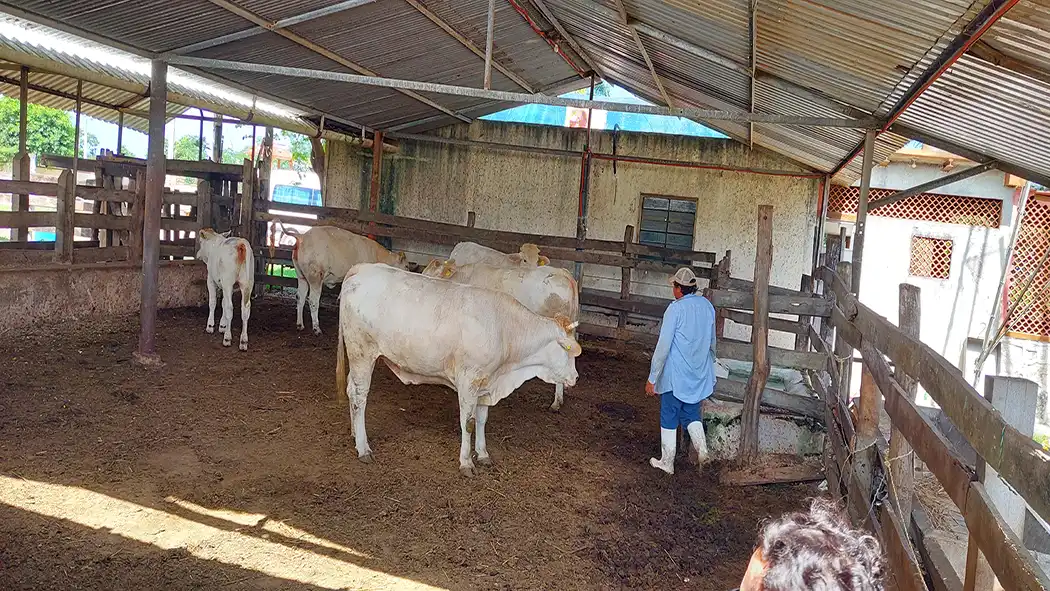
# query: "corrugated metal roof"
829,58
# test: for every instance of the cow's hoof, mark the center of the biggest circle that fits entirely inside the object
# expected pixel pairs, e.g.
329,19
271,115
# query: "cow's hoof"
467,471
299,327
317,331
209,329
243,346
366,459
227,342
470,425
485,461
556,407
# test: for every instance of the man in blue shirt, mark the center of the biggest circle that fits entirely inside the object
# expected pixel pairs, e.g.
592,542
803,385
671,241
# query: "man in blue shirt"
683,368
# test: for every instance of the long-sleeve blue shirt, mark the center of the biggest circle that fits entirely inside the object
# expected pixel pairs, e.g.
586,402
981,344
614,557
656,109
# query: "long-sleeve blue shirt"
684,359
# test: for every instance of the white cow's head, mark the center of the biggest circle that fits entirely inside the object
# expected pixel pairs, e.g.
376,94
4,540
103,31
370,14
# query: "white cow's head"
207,239
441,269
559,356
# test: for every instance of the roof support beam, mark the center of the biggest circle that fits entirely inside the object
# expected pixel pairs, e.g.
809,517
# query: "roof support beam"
281,24
984,20
523,99
490,30
986,52
930,185
304,42
752,28
625,21
547,14
437,20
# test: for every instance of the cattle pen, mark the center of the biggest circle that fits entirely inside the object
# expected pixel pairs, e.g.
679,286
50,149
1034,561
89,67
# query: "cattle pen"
136,451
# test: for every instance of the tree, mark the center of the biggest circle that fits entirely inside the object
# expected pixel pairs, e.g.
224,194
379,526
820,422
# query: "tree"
49,130
300,147
187,147
231,156
88,145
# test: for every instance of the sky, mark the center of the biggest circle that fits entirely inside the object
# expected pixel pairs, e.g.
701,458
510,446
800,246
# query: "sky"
233,138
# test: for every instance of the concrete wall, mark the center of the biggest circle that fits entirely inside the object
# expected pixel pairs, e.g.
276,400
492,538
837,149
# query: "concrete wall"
72,293
539,194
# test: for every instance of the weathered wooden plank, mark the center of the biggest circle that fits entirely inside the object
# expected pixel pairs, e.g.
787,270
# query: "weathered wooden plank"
807,406
741,351
64,218
802,332
778,324
28,219
748,450
177,224
736,284
902,464
174,250
1006,554
45,245
903,563
926,439
105,194
938,567
107,222
129,167
612,332
779,304
29,187
625,275
16,258
179,198
1014,456
98,255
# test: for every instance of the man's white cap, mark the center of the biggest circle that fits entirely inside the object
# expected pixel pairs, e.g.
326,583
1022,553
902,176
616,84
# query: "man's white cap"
684,276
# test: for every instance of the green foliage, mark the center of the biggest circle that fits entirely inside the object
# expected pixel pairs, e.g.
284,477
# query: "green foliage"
187,147
230,156
49,130
300,147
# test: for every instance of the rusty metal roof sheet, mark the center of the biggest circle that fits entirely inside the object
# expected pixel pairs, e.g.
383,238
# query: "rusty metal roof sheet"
813,58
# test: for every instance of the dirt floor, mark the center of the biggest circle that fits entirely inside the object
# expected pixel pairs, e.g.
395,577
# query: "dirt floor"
223,469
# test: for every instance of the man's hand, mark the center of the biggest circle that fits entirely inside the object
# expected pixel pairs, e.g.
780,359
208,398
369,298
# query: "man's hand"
650,389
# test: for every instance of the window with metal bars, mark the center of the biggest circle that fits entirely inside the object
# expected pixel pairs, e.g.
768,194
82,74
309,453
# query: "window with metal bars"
667,221
930,257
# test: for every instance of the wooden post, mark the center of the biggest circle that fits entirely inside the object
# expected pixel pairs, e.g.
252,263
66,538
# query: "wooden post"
20,202
721,281
860,230
216,142
156,166
901,458
136,232
64,217
864,447
759,336
470,219
120,133
99,207
832,257
76,132
802,336
843,350
203,204
377,173
244,216
625,275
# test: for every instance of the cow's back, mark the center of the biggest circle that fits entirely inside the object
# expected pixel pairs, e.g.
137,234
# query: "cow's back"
547,291
331,252
470,253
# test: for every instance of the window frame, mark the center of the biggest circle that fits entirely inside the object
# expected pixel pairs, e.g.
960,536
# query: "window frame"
641,215
936,238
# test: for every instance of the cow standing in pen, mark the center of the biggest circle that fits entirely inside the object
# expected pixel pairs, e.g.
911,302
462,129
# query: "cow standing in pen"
481,343
547,291
467,253
230,265
323,256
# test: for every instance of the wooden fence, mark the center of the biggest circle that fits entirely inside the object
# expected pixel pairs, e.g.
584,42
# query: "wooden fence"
862,469
115,220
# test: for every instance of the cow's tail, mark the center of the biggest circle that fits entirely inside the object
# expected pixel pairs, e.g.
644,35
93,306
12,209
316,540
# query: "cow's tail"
340,365
295,234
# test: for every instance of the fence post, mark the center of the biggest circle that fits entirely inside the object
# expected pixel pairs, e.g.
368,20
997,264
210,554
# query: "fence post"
625,275
20,172
64,217
759,336
721,281
244,219
802,336
843,351
470,219
138,207
901,457
98,207
203,204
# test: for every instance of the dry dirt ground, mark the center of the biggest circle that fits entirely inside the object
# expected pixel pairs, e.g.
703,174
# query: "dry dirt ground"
234,470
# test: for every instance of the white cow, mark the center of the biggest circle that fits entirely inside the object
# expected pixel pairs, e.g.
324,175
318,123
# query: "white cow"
230,265
547,291
481,343
323,255
468,253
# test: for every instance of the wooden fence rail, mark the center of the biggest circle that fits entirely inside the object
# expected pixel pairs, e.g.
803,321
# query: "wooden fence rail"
1015,457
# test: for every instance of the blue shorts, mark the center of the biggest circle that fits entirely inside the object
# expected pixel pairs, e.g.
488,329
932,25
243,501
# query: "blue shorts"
674,412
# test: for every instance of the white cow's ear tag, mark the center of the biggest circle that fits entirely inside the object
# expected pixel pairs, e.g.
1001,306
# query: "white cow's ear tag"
567,347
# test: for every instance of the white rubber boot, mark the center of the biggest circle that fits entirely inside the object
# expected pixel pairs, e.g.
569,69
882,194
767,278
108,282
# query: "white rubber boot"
699,441
668,443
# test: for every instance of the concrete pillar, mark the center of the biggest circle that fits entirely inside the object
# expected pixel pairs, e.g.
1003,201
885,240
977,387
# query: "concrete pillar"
1015,399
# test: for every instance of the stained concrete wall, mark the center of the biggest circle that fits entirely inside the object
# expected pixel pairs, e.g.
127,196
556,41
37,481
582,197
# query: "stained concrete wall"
72,293
539,194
